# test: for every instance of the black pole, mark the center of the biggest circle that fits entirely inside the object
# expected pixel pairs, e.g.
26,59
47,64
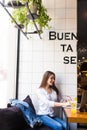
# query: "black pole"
17,66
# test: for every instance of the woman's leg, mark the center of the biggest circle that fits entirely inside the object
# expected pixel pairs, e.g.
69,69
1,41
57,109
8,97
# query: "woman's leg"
62,122
50,122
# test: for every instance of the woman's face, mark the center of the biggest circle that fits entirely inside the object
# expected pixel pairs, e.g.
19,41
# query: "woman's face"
51,80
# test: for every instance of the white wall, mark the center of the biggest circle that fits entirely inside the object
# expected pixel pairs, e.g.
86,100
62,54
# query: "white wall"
8,38
37,55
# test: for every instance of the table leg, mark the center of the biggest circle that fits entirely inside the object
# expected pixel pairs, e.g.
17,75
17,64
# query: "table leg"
67,124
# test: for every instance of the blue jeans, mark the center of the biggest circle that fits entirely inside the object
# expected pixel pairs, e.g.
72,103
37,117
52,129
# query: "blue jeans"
28,113
53,122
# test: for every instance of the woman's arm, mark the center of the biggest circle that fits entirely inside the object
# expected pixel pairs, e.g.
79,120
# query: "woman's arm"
57,104
49,103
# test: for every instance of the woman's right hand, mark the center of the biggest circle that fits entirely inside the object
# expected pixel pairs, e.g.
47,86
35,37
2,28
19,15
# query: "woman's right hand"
64,104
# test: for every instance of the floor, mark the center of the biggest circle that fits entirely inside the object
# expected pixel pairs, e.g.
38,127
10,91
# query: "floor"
73,126
82,128
85,125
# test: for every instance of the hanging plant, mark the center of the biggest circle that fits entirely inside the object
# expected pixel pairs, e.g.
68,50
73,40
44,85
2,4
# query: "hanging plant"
36,7
43,18
20,16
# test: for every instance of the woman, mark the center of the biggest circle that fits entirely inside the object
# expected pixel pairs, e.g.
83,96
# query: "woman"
47,96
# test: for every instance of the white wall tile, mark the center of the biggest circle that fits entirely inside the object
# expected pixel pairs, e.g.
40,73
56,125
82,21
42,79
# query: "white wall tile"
48,4
59,4
60,78
25,88
59,13
48,56
59,24
45,35
37,67
71,68
71,13
25,67
59,57
37,45
70,53
48,66
26,56
62,90
71,24
58,45
26,45
25,78
71,90
60,67
71,79
71,3
37,56
48,46
36,78
34,88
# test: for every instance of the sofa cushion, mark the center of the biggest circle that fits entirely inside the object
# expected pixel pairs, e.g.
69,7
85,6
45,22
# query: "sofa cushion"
11,119
43,127
29,101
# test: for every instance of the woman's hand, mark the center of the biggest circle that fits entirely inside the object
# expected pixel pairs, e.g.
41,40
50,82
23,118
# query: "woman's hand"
64,104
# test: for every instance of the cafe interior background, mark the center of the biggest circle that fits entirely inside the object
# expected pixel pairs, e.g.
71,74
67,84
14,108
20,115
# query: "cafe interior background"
38,55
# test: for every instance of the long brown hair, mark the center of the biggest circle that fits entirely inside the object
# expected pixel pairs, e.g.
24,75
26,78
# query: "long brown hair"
44,81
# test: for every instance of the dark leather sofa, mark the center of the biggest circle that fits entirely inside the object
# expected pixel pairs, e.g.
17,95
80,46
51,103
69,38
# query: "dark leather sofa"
11,119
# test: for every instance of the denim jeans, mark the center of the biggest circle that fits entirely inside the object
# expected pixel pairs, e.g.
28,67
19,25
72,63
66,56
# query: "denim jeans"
28,113
53,122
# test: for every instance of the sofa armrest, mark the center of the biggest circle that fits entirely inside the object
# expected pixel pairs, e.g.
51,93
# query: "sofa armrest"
11,119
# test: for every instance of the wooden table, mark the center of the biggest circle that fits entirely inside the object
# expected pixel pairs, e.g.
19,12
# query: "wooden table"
78,117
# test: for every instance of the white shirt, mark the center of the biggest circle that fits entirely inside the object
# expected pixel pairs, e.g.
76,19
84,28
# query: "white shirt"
46,102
